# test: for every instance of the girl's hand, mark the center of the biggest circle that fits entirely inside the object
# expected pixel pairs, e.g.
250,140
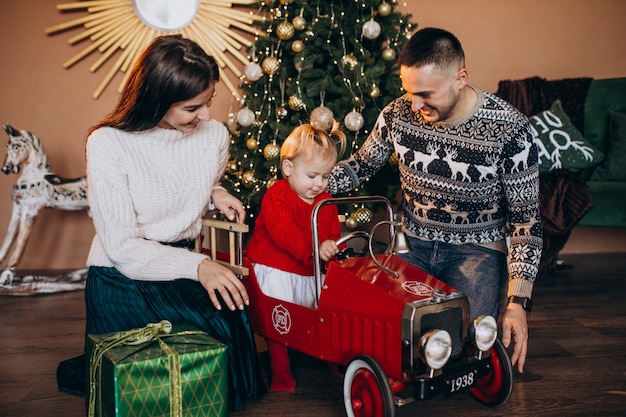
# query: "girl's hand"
328,249
217,279
229,205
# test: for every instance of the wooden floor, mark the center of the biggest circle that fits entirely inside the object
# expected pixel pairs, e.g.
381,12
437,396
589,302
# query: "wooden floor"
576,364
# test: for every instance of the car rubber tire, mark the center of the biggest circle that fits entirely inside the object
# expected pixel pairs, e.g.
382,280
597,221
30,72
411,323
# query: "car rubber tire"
496,387
366,389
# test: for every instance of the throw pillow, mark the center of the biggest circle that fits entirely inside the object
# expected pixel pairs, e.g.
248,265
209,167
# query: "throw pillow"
559,143
614,166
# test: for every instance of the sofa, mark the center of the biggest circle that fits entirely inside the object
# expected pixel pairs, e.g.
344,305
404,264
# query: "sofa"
580,126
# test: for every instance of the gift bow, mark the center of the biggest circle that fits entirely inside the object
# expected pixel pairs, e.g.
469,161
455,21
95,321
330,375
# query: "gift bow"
152,331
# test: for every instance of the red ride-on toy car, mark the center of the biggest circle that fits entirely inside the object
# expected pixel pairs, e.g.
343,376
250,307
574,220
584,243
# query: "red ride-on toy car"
401,334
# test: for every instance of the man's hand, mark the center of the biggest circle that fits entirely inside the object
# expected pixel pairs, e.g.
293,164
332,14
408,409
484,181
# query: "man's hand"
514,324
217,279
229,205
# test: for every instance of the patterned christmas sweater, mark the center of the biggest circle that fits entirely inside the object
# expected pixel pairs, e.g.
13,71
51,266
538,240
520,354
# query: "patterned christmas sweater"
472,180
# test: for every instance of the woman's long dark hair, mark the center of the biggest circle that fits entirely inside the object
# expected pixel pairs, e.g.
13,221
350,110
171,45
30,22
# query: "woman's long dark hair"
170,70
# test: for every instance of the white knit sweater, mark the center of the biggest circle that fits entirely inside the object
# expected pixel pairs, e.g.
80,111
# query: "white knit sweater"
150,187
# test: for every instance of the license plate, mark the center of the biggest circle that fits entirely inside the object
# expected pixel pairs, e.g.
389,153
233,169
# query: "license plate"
461,382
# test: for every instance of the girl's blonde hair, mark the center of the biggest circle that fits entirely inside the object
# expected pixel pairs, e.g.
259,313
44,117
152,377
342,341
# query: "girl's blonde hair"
307,140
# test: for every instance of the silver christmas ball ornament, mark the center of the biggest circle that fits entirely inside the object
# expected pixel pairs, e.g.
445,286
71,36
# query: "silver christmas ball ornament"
253,71
371,29
245,117
322,117
353,121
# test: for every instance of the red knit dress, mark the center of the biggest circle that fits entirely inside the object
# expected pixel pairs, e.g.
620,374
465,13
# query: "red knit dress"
282,235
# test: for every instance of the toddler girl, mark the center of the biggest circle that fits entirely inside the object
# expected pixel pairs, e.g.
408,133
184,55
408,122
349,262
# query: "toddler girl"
281,247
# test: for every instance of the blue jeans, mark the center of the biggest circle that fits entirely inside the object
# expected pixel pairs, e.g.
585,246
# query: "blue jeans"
472,269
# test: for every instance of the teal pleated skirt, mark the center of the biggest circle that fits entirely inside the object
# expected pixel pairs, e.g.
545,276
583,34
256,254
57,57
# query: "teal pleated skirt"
116,303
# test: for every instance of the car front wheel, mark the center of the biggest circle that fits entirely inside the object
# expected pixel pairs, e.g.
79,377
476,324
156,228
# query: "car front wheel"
366,389
496,387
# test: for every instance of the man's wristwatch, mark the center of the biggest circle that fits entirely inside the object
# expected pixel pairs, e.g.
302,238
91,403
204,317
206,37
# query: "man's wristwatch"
525,302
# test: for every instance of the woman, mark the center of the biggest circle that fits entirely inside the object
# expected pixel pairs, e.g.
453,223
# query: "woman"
153,168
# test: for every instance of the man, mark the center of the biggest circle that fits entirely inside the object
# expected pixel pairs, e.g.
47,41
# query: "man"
469,175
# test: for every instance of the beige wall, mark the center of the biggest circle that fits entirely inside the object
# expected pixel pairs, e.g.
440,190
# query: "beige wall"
503,40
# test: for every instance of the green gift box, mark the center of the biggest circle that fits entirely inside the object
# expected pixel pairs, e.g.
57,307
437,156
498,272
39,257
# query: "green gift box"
159,370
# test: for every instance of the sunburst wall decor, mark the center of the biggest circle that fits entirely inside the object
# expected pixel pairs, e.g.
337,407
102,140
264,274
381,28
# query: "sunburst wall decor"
129,25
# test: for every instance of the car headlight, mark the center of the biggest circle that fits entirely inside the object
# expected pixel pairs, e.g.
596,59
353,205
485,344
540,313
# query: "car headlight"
485,332
435,348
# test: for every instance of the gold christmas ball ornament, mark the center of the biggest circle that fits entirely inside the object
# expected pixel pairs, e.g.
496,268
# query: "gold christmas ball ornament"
285,30
253,71
245,117
270,65
353,121
297,46
271,151
384,9
350,61
375,92
322,117
371,29
232,167
252,144
281,112
362,215
351,223
295,103
270,182
248,179
299,23
388,54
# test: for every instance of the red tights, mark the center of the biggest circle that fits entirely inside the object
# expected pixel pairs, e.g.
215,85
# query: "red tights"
281,372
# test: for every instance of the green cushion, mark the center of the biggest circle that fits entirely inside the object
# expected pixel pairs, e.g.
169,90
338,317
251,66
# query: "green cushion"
560,143
604,95
609,200
614,166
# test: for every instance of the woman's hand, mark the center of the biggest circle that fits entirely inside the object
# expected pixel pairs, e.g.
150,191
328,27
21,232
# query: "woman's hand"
328,249
229,205
217,279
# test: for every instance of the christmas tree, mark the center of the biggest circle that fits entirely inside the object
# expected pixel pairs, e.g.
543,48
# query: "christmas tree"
319,60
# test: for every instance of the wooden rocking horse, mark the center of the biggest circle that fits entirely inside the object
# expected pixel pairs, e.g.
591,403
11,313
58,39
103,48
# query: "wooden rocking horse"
35,188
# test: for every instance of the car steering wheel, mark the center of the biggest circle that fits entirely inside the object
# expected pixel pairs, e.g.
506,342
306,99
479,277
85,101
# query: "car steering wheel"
350,252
